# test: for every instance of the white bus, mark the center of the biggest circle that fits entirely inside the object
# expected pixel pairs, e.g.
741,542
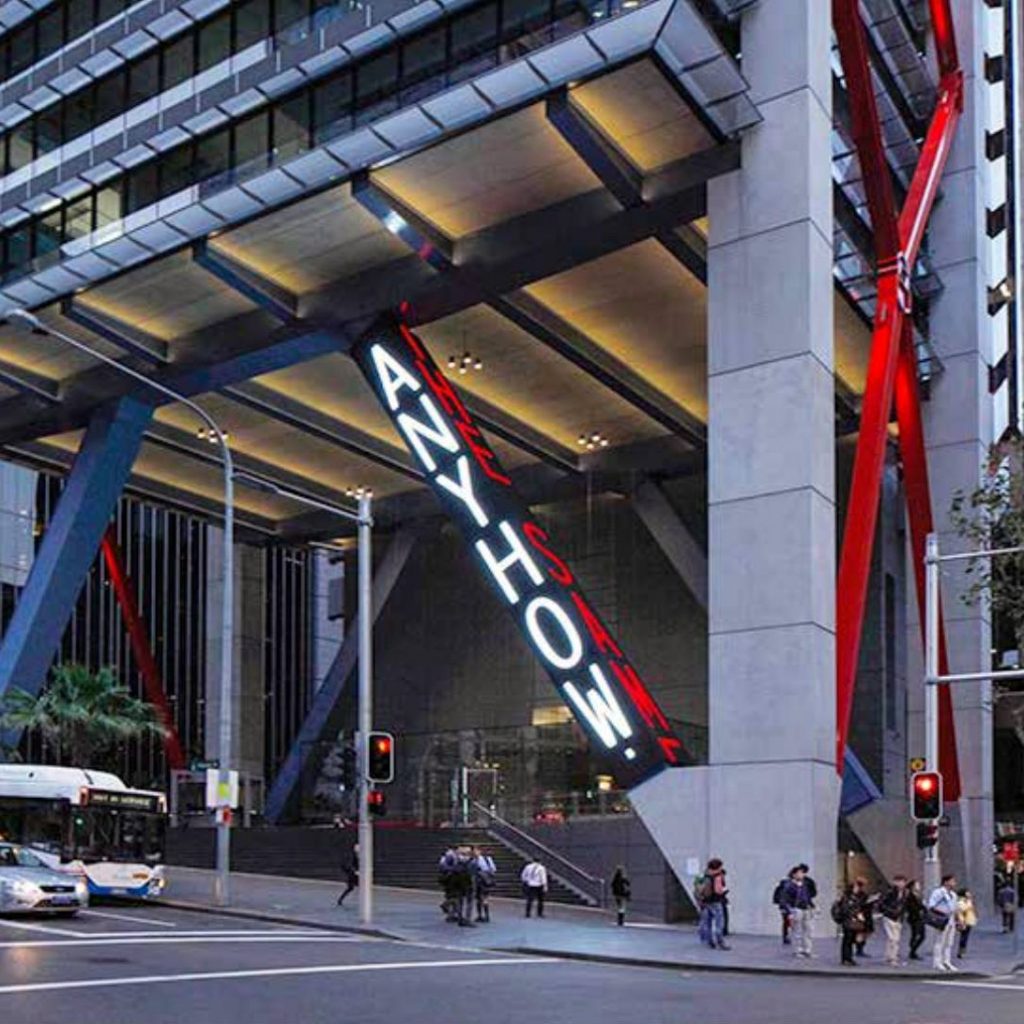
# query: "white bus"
89,823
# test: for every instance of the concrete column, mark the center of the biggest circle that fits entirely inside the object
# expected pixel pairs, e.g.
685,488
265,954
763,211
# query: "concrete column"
17,522
247,682
328,623
958,430
771,512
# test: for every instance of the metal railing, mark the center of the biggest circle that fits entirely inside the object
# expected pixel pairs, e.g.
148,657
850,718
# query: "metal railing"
591,887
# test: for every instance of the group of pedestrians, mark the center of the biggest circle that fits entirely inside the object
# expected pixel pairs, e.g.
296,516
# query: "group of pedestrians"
949,911
466,876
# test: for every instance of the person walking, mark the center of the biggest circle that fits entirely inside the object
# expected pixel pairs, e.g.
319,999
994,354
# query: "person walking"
484,873
941,915
535,885
712,891
966,919
849,912
915,913
462,887
1006,900
797,903
868,901
621,893
893,908
351,875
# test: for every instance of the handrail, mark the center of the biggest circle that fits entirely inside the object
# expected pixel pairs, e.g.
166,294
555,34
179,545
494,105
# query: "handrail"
601,883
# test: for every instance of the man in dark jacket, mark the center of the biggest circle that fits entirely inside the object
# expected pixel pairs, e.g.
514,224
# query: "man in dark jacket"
797,902
351,875
893,908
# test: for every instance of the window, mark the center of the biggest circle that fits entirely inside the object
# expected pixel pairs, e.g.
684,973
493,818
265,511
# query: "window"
376,80
78,220
78,114
176,171
19,146
213,155
291,126
50,30
215,42
474,42
142,188
179,63
110,94
252,23
287,12
143,80
48,133
48,236
423,59
108,202
79,18
332,107
251,142
107,9
22,49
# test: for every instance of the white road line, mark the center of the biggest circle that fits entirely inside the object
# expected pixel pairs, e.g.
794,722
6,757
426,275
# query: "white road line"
272,972
1016,989
25,926
173,940
129,917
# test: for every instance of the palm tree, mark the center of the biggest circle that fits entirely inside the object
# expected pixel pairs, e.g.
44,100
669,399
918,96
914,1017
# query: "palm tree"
81,714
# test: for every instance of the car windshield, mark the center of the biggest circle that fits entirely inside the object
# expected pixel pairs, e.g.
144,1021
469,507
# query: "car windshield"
17,857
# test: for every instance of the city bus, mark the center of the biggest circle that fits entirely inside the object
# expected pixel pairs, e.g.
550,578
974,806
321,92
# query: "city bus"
84,822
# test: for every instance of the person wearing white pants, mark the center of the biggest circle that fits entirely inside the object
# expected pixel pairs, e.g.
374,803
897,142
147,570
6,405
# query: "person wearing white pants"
893,908
943,901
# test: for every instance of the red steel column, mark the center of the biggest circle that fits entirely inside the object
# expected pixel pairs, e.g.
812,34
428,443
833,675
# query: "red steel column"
140,647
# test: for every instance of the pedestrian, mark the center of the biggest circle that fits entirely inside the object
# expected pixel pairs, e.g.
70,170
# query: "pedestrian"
797,903
940,914
462,887
535,885
351,875
484,873
966,919
621,893
915,918
711,891
849,912
783,910
1006,900
893,908
868,901
446,879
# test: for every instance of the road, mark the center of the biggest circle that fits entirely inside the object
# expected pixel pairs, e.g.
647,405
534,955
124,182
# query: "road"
151,965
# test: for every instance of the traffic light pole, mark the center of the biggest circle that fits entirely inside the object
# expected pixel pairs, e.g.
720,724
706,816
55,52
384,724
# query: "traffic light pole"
932,862
365,527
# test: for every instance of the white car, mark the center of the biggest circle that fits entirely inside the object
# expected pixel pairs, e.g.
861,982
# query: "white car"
27,885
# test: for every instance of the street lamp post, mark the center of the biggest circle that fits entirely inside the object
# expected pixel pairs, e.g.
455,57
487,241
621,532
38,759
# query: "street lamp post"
23,320
364,523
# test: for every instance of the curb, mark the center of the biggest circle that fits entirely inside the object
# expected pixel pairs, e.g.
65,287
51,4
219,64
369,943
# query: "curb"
259,915
726,968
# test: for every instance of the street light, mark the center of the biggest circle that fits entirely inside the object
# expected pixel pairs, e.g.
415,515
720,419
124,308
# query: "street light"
23,320
364,522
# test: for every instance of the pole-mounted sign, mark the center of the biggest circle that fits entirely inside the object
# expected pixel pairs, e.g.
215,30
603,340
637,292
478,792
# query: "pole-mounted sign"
629,734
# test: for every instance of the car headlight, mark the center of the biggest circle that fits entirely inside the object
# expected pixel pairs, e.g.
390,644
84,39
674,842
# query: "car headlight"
24,890
81,887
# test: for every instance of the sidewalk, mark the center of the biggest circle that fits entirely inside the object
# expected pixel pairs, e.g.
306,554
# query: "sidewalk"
568,932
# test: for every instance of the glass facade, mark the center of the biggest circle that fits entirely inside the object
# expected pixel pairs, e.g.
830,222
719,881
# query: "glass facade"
449,51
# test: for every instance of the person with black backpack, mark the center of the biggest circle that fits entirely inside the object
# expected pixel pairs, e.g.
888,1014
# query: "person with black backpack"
621,893
797,902
783,909
915,918
893,908
351,875
850,912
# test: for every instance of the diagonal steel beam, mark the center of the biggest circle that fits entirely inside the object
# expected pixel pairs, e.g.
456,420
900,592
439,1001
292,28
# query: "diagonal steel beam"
148,349
34,385
257,288
323,719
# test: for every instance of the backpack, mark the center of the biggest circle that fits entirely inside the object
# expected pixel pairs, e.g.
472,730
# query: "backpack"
779,890
705,888
838,911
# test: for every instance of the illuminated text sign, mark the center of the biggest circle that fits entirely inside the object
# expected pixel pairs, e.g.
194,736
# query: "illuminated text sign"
628,731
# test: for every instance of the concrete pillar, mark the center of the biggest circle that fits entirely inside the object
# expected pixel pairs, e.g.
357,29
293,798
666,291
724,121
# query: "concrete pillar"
771,512
17,522
327,621
958,430
247,682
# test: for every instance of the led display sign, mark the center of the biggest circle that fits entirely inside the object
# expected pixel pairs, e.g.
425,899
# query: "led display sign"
121,800
629,734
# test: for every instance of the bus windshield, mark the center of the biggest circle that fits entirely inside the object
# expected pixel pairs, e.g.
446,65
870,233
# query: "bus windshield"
102,833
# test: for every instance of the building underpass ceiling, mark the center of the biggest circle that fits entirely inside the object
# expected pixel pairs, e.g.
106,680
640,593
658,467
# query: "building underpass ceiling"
639,306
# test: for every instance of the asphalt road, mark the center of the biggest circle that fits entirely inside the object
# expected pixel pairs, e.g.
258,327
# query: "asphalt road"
149,965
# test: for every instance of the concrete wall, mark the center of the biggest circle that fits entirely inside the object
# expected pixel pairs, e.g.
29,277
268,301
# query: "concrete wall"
17,522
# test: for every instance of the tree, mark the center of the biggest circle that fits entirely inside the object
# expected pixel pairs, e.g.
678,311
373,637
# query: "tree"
992,516
80,714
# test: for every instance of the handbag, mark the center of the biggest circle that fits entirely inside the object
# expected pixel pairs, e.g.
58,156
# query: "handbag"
935,918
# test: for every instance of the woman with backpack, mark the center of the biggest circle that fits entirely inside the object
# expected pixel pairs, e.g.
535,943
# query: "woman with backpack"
711,892
621,893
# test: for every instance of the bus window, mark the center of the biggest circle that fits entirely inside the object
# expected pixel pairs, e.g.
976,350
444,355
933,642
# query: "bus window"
39,823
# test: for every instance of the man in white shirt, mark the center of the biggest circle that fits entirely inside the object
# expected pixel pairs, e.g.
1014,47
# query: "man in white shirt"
535,884
943,901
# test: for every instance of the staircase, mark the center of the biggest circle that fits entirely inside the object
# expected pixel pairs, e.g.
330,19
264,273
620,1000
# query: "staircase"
405,857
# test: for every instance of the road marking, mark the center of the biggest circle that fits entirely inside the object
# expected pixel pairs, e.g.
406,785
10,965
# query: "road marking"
1017,989
129,917
25,926
271,972
172,940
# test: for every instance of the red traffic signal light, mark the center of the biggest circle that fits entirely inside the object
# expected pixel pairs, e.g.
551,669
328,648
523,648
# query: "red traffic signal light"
380,765
376,802
926,796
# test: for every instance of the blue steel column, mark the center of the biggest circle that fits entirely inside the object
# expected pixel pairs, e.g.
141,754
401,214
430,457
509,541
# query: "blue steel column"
70,543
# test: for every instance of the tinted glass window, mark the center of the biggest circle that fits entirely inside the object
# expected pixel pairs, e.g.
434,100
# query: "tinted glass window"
291,127
178,61
176,170
144,80
78,221
475,32
78,113
251,142
48,233
51,30
48,135
215,42
110,93
332,113
287,12
19,146
142,187
423,59
108,203
376,81
213,154
252,22
22,49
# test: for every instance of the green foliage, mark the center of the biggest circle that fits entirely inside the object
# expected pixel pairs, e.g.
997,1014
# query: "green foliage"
992,516
81,714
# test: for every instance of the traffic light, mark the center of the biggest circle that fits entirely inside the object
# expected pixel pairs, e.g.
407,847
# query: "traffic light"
381,762
927,835
926,796
376,802
349,773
